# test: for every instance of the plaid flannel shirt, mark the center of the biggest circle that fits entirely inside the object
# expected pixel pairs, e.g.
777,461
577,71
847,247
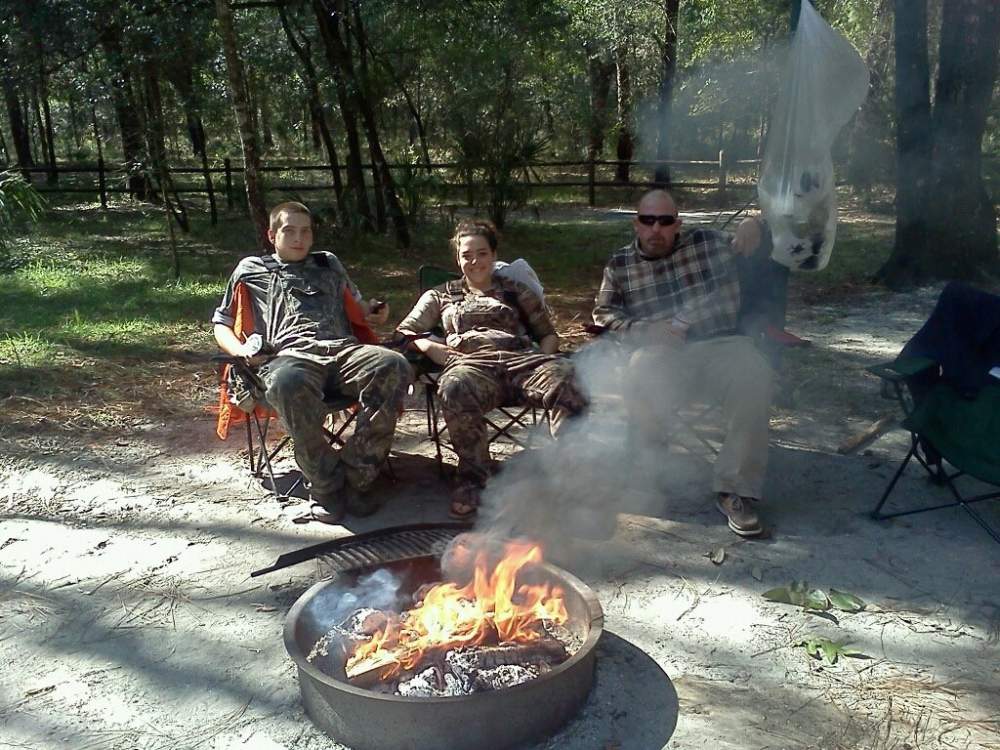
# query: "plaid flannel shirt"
698,282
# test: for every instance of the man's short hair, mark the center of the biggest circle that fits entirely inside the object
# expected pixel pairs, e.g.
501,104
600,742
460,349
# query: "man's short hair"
292,207
475,228
658,192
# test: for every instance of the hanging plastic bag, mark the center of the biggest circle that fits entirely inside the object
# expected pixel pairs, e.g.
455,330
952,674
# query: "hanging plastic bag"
824,83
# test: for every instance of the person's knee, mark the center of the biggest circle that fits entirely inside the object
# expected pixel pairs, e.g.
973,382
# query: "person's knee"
457,393
285,385
393,372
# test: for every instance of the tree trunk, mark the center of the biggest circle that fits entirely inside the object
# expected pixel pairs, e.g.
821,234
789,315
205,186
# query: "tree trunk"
244,116
318,116
945,222
18,126
625,148
668,60
359,89
264,98
348,113
340,60
864,147
156,142
964,220
74,119
43,145
181,76
913,146
126,112
411,105
50,136
599,72
381,166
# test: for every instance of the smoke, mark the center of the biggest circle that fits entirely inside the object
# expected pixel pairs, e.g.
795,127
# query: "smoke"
377,590
719,105
561,491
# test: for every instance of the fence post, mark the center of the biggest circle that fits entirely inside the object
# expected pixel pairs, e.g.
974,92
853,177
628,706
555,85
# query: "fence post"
100,182
229,183
591,178
723,176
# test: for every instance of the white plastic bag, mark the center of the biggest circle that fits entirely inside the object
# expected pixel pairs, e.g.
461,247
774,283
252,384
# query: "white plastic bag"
824,83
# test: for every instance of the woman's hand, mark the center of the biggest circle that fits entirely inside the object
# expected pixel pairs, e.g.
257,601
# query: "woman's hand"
438,353
435,351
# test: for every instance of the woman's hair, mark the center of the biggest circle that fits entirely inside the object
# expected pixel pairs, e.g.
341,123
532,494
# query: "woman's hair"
475,228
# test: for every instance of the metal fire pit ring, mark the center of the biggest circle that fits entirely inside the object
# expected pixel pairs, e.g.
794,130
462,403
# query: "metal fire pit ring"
494,720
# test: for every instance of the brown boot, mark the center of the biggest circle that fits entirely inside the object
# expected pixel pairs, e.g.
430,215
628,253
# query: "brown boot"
740,514
465,501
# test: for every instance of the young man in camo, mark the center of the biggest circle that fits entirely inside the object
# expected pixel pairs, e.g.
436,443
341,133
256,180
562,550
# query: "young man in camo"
298,300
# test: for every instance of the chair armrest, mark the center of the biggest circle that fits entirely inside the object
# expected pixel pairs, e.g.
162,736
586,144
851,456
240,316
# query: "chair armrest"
901,368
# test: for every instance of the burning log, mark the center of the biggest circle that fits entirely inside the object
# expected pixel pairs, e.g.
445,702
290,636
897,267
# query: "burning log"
545,651
505,676
433,682
359,626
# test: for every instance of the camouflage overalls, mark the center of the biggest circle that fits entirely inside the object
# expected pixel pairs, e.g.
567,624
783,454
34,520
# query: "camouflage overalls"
299,312
496,364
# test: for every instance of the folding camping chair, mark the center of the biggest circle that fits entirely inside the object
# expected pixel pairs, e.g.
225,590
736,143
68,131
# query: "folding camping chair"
258,422
501,422
258,415
945,427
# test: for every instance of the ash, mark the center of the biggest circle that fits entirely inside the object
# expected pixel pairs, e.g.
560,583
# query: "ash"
359,626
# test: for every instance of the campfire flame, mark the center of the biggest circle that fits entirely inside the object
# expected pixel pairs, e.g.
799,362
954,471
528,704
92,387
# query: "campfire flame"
493,607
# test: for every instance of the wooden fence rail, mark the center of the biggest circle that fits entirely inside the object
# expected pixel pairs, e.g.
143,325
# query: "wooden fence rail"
718,174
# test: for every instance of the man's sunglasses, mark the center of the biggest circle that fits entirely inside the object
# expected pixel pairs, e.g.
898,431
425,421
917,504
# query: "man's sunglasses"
664,220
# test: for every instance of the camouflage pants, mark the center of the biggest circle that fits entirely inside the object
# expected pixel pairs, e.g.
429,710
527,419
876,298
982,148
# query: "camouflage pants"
473,384
376,377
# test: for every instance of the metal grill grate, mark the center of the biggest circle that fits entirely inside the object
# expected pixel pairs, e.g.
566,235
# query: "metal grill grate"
375,547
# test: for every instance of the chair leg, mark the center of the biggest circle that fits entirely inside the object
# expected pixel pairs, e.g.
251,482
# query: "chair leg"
264,458
432,427
877,514
966,503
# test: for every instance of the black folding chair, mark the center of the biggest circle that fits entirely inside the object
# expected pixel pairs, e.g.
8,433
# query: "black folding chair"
951,435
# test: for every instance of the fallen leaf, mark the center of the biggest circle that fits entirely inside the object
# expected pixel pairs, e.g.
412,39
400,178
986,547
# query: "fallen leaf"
817,599
846,602
717,556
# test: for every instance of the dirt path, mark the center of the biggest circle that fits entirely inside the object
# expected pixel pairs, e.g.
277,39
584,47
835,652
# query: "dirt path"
128,620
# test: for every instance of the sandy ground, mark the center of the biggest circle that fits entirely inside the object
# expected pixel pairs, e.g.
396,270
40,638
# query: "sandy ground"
128,618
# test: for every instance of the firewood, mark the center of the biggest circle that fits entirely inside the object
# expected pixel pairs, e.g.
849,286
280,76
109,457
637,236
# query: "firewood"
369,670
867,435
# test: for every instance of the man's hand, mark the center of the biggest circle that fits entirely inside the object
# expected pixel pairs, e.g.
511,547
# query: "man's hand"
378,312
748,236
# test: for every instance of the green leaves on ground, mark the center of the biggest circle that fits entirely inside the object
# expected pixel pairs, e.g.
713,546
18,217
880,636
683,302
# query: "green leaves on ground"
830,651
799,594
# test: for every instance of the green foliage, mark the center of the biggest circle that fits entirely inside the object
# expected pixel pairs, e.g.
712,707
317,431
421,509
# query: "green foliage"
19,202
800,594
830,651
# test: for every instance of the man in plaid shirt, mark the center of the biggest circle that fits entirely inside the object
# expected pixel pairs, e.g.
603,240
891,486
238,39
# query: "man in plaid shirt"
675,295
